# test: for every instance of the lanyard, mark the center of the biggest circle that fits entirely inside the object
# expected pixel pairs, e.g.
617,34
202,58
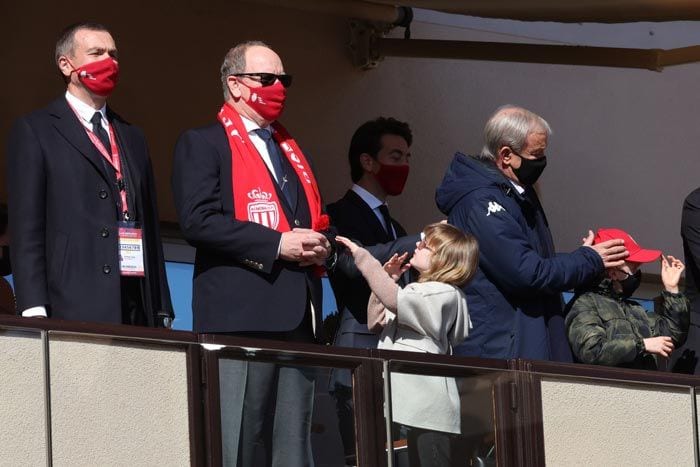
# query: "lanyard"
113,159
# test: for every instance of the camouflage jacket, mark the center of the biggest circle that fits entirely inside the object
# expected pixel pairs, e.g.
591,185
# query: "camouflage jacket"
605,329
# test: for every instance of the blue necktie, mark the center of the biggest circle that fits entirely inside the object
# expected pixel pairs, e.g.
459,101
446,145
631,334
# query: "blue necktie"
384,210
276,158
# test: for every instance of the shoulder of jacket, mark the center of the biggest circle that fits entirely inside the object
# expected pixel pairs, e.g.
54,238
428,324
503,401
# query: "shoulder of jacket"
431,288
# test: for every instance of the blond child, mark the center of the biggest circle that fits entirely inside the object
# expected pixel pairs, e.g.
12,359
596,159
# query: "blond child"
428,316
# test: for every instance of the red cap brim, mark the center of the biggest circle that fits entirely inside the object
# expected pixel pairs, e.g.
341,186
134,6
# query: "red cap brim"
643,256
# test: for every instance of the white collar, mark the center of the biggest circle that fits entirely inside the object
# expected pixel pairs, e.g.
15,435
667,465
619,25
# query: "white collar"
517,187
369,199
251,126
85,111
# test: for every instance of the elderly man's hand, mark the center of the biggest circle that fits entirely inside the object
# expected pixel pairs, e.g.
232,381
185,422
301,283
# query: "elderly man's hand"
612,252
304,246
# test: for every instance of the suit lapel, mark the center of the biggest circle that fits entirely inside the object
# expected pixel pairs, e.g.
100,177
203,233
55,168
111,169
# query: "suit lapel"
127,154
369,217
68,125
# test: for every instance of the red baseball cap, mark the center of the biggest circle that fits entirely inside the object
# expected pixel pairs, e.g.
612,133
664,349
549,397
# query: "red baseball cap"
637,253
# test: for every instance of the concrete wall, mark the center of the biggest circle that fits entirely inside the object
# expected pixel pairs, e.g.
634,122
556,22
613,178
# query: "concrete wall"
22,408
112,402
624,150
601,423
115,403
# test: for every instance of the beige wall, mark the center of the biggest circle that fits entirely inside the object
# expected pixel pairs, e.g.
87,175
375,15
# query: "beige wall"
624,151
115,403
22,408
590,423
112,402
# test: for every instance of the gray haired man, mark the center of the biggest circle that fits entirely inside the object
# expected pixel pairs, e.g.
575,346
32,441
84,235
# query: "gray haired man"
515,299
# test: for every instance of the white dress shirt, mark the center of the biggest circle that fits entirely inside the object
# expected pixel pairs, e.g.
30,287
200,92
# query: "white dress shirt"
373,202
85,113
259,143
517,187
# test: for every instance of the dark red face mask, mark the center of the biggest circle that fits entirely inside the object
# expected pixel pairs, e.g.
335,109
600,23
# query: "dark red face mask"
100,77
392,178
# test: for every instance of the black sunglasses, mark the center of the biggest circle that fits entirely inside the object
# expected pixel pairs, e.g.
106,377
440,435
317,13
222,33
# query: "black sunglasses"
268,79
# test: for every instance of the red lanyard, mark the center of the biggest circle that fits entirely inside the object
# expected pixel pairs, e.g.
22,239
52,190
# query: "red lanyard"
113,160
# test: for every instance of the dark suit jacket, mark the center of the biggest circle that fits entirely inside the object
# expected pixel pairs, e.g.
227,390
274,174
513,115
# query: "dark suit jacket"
63,218
685,359
353,218
239,285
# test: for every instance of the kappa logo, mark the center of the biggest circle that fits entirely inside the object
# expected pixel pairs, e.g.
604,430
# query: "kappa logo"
262,210
494,207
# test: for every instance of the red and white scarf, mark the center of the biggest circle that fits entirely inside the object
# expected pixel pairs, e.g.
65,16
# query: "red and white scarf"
254,190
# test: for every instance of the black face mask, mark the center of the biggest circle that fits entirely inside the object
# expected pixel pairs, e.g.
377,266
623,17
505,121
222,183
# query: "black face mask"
630,284
530,170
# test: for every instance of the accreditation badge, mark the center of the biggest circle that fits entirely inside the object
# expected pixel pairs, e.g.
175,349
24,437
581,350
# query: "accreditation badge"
131,249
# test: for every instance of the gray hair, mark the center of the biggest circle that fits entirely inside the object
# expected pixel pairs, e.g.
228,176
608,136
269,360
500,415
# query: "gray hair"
509,126
66,42
234,62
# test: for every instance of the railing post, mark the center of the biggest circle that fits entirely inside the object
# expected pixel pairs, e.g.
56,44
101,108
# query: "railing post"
46,370
368,398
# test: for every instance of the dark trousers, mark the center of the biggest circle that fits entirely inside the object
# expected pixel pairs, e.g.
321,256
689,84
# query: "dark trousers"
346,420
433,449
276,416
275,427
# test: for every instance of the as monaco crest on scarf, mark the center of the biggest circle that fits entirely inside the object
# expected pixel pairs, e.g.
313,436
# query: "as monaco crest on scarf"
262,209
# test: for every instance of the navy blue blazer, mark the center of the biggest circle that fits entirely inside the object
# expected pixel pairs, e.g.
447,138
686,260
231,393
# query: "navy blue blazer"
63,218
353,218
239,285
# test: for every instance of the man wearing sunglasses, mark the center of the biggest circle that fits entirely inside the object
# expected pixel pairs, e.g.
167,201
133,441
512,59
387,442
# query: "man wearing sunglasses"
247,199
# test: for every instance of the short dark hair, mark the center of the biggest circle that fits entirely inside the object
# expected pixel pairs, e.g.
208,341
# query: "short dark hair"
66,41
368,140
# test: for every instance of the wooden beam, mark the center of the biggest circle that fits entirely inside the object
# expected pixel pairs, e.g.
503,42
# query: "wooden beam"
650,59
564,11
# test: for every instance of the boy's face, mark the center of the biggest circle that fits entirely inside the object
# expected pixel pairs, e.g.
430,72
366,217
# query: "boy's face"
623,272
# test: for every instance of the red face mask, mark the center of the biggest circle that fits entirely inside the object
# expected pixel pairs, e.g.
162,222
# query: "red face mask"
392,178
267,101
100,77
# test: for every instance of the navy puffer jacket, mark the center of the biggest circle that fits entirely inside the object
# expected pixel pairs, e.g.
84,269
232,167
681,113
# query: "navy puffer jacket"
515,298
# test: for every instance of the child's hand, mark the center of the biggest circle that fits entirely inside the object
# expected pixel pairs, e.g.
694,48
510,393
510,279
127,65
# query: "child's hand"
671,269
395,266
347,243
661,345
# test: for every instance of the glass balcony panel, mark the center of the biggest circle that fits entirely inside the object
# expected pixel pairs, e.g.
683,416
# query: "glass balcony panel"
285,413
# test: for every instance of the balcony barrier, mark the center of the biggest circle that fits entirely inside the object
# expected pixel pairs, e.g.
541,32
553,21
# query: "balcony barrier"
88,394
